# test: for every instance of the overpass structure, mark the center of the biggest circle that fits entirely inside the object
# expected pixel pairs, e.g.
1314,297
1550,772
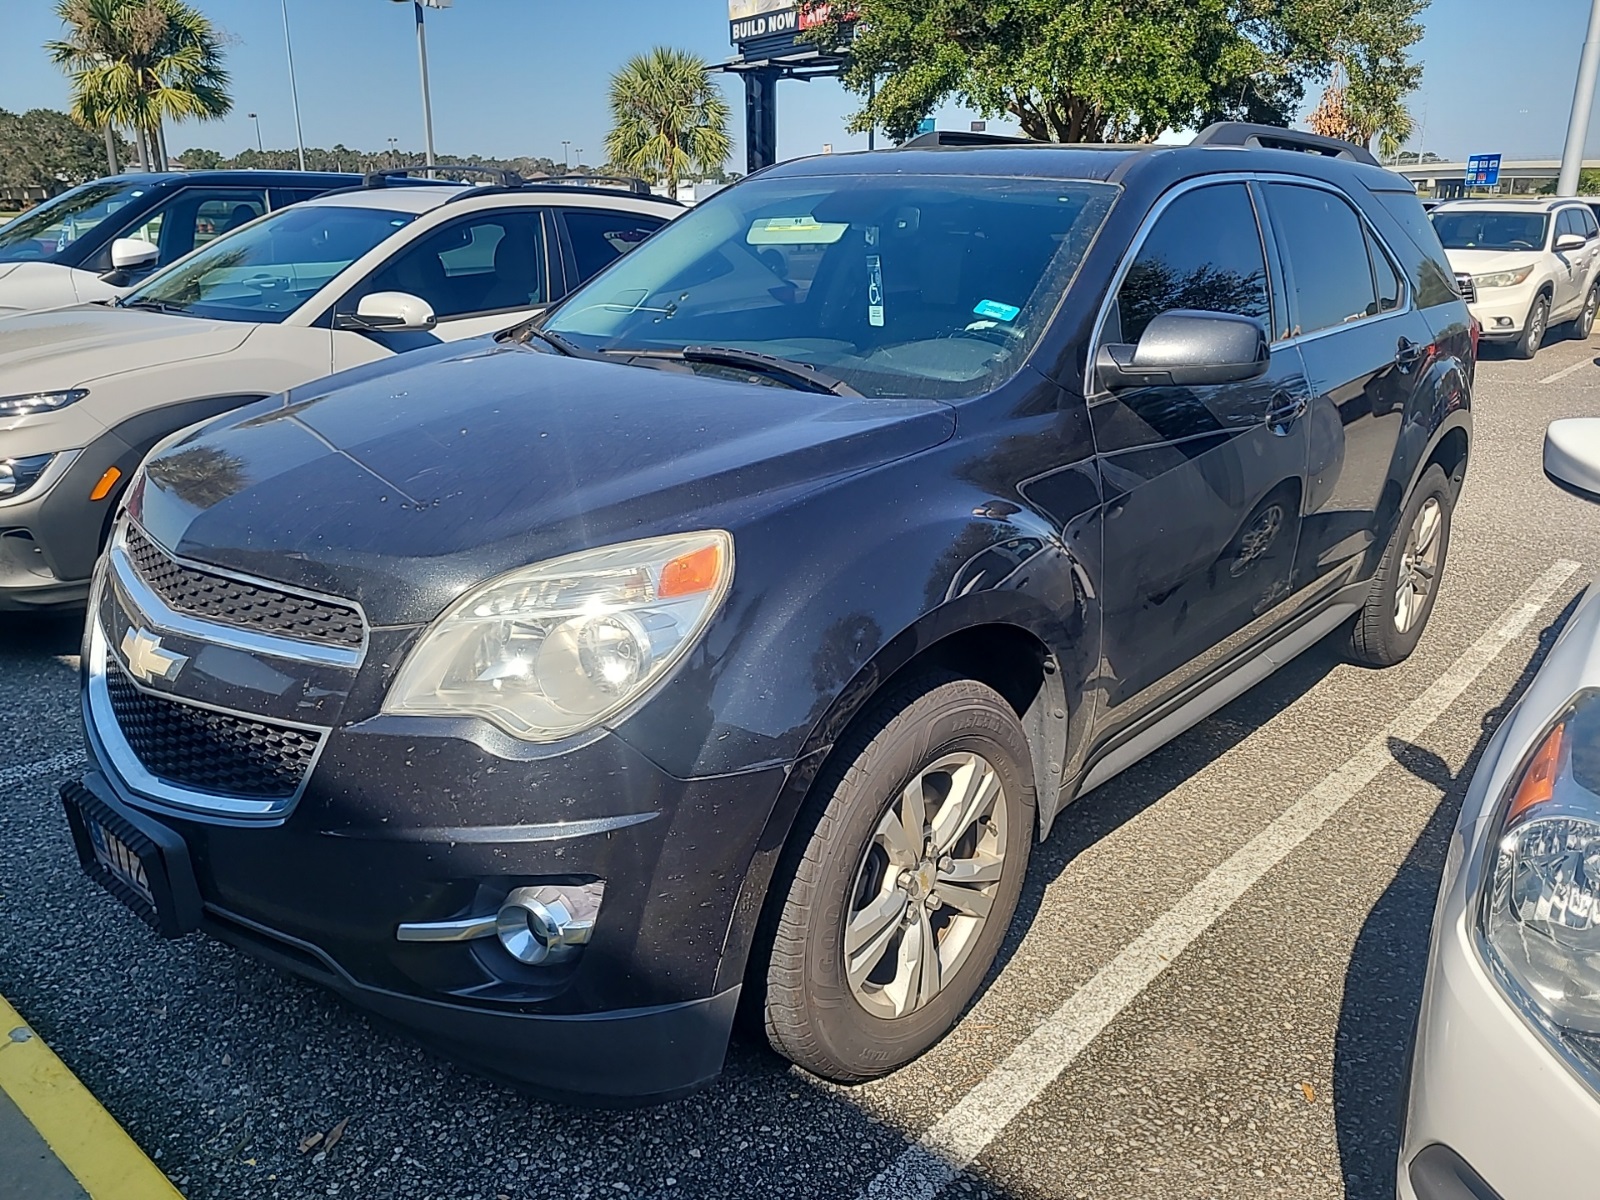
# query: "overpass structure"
1518,177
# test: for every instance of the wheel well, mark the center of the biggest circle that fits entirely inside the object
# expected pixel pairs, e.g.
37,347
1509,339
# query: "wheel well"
1451,455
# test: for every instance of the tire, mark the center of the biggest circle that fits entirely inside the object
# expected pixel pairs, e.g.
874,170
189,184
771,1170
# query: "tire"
928,739
1384,633
1583,324
1533,332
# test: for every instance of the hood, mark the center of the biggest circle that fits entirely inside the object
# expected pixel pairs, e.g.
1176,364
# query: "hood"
1483,262
72,347
403,487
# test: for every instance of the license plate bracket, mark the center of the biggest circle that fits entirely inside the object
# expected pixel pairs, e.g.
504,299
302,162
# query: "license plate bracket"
138,860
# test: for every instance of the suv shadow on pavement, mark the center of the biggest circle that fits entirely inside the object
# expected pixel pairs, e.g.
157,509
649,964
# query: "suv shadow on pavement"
1383,985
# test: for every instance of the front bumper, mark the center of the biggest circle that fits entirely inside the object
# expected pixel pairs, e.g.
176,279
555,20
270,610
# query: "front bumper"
1493,1112
1503,312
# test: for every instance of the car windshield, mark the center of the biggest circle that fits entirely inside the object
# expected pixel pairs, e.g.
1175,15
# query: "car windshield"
42,233
1489,230
268,269
896,285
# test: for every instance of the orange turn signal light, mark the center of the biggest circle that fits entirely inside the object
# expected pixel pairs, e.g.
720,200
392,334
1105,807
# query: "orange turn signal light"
107,482
1539,780
692,573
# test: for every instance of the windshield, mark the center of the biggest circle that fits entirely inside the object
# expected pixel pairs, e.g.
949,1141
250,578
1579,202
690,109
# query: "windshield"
267,269
1489,230
898,285
42,233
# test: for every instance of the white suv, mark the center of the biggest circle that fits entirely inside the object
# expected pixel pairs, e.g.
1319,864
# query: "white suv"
1523,265
329,284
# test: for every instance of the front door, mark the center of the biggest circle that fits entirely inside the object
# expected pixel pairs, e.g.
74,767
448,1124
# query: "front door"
1203,485
480,274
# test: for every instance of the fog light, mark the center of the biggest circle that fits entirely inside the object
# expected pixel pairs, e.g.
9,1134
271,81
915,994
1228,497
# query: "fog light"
547,925
1502,322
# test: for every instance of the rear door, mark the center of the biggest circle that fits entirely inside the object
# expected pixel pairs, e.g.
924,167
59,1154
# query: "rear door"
1203,484
1365,347
594,238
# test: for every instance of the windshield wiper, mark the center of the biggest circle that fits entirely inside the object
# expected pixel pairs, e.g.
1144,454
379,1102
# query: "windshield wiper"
802,376
521,333
152,305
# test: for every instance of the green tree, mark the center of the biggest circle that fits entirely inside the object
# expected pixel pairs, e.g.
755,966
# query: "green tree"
1368,46
135,64
45,149
667,117
1085,71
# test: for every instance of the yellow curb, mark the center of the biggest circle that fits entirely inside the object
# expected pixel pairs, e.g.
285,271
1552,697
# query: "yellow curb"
81,1133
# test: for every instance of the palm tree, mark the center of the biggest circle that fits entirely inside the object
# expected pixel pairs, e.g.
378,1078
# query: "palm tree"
135,63
667,117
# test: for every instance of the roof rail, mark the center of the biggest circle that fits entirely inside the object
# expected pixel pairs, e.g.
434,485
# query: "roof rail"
378,179
627,183
1272,137
960,137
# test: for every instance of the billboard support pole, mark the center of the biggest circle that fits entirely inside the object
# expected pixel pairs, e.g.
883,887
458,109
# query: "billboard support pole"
761,118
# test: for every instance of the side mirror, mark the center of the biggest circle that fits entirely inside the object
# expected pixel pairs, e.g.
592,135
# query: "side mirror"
1570,241
1187,348
1572,456
389,312
131,253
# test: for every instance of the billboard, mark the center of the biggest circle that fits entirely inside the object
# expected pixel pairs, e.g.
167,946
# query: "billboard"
755,20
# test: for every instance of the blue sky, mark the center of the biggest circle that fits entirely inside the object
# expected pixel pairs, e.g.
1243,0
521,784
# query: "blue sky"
519,76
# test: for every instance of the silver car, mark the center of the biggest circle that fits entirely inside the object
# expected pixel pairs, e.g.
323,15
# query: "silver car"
1504,1101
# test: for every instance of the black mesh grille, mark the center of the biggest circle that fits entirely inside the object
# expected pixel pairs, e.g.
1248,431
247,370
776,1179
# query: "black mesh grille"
244,605
211,751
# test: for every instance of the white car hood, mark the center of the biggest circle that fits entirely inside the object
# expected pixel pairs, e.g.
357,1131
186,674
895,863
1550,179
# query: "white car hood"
1483,262
73,347
29,286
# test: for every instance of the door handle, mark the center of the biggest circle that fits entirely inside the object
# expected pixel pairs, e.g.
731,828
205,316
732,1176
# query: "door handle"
1285,409
1409,353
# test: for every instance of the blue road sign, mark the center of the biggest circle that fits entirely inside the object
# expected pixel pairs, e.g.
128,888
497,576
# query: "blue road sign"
1483,170
925,125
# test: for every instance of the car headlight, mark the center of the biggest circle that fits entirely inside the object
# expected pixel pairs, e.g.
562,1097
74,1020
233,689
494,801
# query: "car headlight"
34,402
1541,908
1496,279
17,475
554,649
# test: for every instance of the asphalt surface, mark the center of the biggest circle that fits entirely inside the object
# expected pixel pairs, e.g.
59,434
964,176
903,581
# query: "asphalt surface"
1264,1060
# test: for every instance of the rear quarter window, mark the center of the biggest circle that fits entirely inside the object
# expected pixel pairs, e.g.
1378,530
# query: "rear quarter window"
1405,225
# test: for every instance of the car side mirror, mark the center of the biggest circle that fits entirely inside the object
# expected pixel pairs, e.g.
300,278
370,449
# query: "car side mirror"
1572,456
1570,241
131,253
1187,348
389,312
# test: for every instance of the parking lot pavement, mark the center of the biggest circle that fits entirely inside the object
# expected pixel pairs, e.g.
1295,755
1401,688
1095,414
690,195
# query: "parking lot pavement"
1209,991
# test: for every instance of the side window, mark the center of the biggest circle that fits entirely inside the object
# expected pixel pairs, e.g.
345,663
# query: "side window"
599,237
1590,226
216,217
193,217
1325,245
283,197
1204,252
1389,288
479,265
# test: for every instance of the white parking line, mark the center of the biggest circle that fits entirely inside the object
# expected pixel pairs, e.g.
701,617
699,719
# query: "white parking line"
66,760
1565,371
958,1137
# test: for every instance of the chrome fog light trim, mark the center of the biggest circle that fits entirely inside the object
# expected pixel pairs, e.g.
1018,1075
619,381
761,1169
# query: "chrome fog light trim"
464,930
548,924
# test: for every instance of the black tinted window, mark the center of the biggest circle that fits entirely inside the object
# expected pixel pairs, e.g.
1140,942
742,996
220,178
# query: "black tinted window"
1388,278
1204,252
599,237
1326,248
481,265
1421,256
1586,219
1567,222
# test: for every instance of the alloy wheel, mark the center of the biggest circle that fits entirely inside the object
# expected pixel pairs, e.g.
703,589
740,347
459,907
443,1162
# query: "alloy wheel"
925,885
1419,564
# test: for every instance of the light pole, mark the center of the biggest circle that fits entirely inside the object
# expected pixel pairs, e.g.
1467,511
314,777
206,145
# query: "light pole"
579,163
294,92
566,158
257,120
394,155
422,66
1582,104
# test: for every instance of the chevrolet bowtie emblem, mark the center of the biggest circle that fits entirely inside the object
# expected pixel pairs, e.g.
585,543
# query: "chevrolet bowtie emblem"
147,661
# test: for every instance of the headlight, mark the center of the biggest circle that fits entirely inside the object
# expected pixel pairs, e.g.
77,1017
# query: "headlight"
17,475
1503,278
556,648
1541,909
34,402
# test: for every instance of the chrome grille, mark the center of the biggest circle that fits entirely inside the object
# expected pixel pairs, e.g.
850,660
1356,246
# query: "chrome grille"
1464,285
242,605
210,751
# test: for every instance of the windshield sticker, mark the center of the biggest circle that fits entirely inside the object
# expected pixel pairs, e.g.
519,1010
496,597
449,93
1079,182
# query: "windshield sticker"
993,308
875,290
794,231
